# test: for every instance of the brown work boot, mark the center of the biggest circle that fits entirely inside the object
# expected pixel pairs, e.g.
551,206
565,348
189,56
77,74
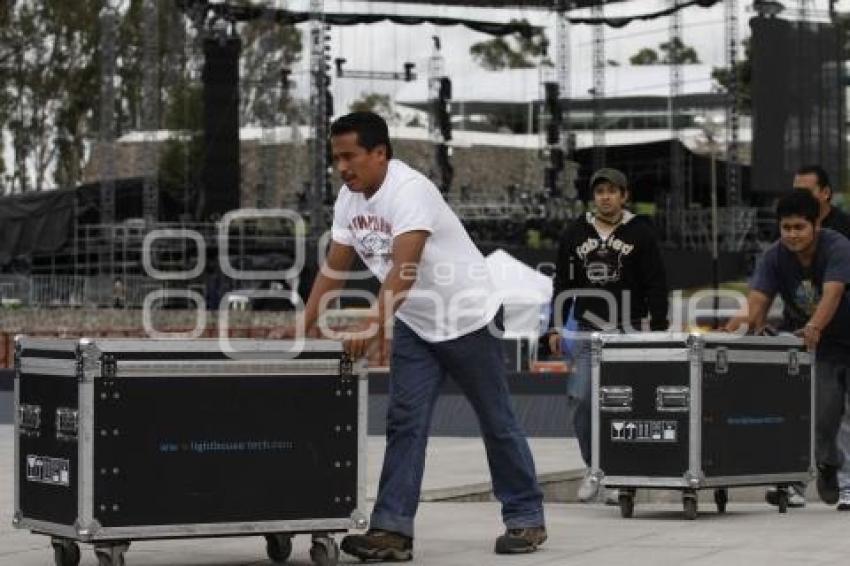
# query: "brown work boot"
380,545
520,541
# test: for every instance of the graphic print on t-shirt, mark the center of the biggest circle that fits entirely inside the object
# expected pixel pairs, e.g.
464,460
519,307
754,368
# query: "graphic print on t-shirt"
603,259
373,235
806,297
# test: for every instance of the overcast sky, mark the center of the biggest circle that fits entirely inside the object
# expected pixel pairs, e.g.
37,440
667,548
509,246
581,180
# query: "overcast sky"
386,46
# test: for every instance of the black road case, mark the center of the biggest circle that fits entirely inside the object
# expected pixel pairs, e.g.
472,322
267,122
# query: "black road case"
119,440
689,412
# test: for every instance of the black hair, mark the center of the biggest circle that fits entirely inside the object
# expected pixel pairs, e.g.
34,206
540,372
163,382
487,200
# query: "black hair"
798,203
817,171
370,128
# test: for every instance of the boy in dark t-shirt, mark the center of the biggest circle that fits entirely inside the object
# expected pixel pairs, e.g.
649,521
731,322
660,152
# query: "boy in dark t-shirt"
810,269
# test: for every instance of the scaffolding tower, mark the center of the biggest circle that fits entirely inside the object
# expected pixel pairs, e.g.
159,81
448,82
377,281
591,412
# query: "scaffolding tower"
598,12
150,108
319,83
676,161
733,103
108,38
563,65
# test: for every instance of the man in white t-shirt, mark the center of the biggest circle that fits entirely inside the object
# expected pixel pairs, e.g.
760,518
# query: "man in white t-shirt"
436,286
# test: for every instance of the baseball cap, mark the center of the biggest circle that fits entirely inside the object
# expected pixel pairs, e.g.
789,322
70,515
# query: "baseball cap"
615,176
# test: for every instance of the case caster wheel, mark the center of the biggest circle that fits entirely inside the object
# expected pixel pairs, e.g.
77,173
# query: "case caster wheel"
721,498
278,547
689,503
65,552
627,504
111,555
324,551
782,499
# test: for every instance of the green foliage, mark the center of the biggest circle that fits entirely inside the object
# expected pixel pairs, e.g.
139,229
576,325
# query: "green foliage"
267,47
519,51
646,56
50,96
676,52
744,75
373,102
48,48
671,52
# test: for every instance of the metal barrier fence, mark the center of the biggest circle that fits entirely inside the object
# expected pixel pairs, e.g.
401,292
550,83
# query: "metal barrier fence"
79,291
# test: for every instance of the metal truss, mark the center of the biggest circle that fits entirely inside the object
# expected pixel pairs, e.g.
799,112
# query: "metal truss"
598,11
150,108
676,162
108,38
319,81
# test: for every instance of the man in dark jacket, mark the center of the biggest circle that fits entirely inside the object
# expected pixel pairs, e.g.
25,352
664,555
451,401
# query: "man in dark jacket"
814,179
610,273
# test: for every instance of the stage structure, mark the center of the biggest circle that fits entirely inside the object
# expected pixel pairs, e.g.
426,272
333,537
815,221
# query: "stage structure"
798,92
217,22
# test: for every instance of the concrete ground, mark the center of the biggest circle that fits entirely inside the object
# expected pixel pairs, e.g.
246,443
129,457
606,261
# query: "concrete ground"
462,534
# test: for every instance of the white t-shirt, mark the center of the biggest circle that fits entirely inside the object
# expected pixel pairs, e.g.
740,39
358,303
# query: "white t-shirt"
453,294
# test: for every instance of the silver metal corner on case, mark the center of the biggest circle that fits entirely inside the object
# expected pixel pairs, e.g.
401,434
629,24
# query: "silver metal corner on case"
88,531
596,343
361,366
693,480
88,355
696,344
359,520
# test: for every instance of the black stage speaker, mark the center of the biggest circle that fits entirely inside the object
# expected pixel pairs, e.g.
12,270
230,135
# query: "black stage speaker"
220,192
797,101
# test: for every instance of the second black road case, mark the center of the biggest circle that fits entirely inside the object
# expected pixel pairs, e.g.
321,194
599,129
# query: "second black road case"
690,411
119,440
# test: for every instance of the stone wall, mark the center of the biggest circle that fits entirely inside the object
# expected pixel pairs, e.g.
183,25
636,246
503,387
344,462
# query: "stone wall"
486,170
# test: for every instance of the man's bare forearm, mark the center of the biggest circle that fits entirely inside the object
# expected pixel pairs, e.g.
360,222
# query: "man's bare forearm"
317,302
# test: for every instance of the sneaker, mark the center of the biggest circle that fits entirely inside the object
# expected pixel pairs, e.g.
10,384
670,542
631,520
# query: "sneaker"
796,496
828,484
589,488
378,544
844,500
520,541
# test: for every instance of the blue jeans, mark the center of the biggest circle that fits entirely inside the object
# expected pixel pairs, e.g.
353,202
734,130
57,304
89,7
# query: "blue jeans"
579,395
832,393
418,369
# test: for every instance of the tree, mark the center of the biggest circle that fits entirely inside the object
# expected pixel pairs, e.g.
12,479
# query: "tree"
378,103
181,160
676,52
50,49
519,51
670,52
267,48
6,57
646,56
744,74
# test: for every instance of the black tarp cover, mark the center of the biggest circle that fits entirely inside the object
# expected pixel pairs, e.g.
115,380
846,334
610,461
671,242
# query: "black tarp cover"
43,222
244,12
35,223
